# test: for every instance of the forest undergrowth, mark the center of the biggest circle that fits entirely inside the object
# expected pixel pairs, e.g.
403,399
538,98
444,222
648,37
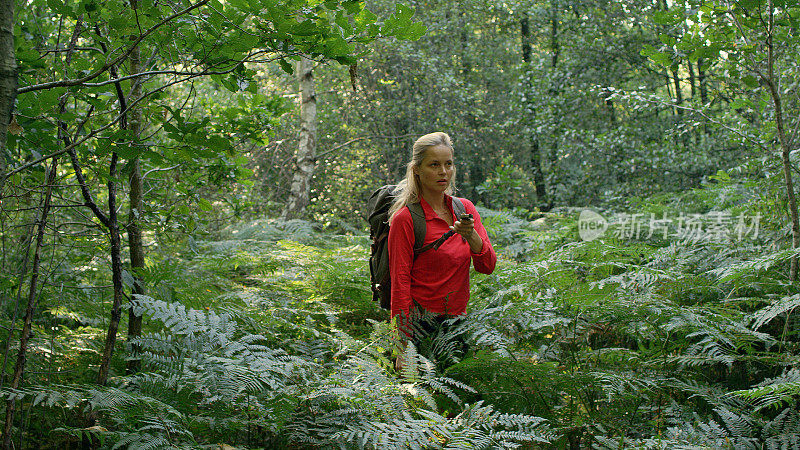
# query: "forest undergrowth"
264,335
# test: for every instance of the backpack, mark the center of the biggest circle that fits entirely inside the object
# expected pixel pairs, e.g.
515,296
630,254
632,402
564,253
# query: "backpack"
378,208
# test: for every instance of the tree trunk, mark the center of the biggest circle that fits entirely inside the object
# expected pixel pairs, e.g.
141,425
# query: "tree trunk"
678,92
525,34
25,334
701,81
773,83
299,196
113,230
116,274
611,111
533,137
466,67
135,197
8,80
555,48
136,247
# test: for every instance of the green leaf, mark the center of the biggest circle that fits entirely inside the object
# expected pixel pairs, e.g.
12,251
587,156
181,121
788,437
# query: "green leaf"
373,30
667,40
240,4
59,7
403,12
288,68
670,17
204,204
416,31
365,17
337,46
305,28
656,56
353,6
750,81
342,21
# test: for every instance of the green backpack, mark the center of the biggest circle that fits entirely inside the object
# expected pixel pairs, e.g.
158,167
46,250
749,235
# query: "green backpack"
378,208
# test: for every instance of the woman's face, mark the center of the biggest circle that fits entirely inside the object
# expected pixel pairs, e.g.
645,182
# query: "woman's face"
436,170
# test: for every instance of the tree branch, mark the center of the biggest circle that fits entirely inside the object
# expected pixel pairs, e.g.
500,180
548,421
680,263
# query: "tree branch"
345,144
115,61
94,133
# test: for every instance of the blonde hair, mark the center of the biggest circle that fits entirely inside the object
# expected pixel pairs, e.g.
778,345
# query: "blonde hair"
408,190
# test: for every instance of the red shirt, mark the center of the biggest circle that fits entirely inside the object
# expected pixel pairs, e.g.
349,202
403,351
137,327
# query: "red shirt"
437,279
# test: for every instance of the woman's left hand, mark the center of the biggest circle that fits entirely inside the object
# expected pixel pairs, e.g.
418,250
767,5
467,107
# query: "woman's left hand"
466,228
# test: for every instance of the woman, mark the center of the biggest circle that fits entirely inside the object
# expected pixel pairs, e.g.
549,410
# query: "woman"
436,280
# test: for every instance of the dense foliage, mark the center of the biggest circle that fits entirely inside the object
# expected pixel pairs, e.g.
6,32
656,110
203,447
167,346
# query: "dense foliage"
267,337
149,155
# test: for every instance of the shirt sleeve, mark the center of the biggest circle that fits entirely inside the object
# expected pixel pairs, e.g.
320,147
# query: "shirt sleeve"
401,258
486,260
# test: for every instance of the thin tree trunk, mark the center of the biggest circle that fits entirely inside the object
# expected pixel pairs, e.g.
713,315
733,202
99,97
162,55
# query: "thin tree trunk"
533,138
466,67
64,137
701,81
546,203
135,197
693,90
701,86
612,111
113,229
8,80
555,48
300,194
661,5
678,92
25,335
773,83
25,244
116,274
525,34
136,247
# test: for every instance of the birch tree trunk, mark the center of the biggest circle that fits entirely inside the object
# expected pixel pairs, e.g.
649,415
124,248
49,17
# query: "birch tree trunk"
8,79
300,192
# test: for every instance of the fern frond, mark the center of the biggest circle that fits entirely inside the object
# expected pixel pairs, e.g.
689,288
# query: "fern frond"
753,267
781,306
774,392
783,431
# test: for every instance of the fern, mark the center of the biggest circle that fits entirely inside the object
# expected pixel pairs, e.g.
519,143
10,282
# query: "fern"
783,431
777,308
478,426
753,267
774,392
129,419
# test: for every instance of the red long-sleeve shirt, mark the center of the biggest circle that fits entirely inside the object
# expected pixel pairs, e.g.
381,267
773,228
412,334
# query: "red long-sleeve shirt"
437,279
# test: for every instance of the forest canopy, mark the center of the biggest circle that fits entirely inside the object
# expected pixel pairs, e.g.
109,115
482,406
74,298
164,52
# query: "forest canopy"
183,195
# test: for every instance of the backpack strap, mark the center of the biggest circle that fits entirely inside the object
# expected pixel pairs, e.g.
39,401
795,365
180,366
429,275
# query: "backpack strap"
458,207
420,228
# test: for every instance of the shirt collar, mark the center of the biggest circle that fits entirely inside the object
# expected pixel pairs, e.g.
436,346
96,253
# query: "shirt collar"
430,214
